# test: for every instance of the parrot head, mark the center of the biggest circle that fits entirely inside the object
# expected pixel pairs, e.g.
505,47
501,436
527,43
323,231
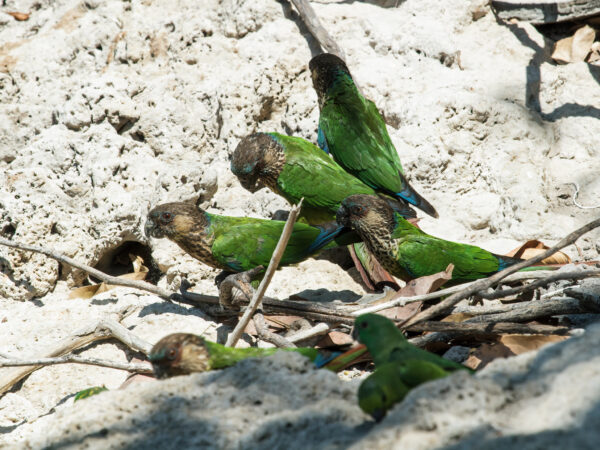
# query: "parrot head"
173,219
373,330
179,354
325,69
257,161
367,213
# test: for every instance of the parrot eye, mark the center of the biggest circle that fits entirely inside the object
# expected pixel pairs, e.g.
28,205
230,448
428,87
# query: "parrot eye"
166,217
172,354
357,210
364,324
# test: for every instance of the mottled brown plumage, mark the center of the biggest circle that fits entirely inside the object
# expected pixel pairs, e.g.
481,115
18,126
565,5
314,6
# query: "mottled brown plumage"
324,70
179,354
257,161
186,225
408,252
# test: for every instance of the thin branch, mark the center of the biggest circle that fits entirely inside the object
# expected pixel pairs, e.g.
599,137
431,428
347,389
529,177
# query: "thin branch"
104,329
402,301
539,283
467,328
115,281
273,263
130,367
262,329
312,22
576,186
537,309
318,330
485,283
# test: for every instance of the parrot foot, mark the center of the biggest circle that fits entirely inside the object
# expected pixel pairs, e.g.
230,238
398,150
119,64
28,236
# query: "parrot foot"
240,281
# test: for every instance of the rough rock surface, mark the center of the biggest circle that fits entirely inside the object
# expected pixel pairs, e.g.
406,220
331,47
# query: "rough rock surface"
547,399
107,108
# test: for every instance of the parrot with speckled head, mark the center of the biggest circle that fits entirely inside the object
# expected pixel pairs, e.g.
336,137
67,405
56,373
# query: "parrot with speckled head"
238,244
408,252
295,168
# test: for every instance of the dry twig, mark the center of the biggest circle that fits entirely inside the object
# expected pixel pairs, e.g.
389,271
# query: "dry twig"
539,283
485,283
309,17
104,329
130,367
468,328
273,263
402,301
527,311
262,329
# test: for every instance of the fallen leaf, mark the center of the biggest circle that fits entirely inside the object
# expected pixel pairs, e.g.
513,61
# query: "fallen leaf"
19,16
457,317
533,248
508,345
594,55
574,48
370,270
486,353
401,312
418,286
86,292
521,343
335,338
426,284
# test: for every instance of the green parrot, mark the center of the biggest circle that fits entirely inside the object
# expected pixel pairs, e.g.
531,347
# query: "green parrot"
353,131
408,252
387,344
238,244
391,382
184,353
295,168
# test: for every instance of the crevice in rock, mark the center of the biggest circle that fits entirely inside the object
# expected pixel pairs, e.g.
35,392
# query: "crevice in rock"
119,260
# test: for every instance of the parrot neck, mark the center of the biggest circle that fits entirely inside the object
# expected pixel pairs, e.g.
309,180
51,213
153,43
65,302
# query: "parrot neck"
197,241
272,166
341,90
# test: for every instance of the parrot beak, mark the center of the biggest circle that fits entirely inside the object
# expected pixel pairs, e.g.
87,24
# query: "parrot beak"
152,230
341,216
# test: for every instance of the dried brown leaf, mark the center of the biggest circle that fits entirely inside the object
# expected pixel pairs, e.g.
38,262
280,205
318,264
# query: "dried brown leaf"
574,48
20,16
86,292
372,273
426,284
521,343
457,317
402,312
486,353
335,338
534,247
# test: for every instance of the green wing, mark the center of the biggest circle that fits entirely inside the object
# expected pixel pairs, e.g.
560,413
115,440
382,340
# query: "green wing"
421,255
244,247
358,139
311,173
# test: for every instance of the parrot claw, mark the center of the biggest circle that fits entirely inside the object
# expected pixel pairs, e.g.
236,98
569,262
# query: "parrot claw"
240,281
